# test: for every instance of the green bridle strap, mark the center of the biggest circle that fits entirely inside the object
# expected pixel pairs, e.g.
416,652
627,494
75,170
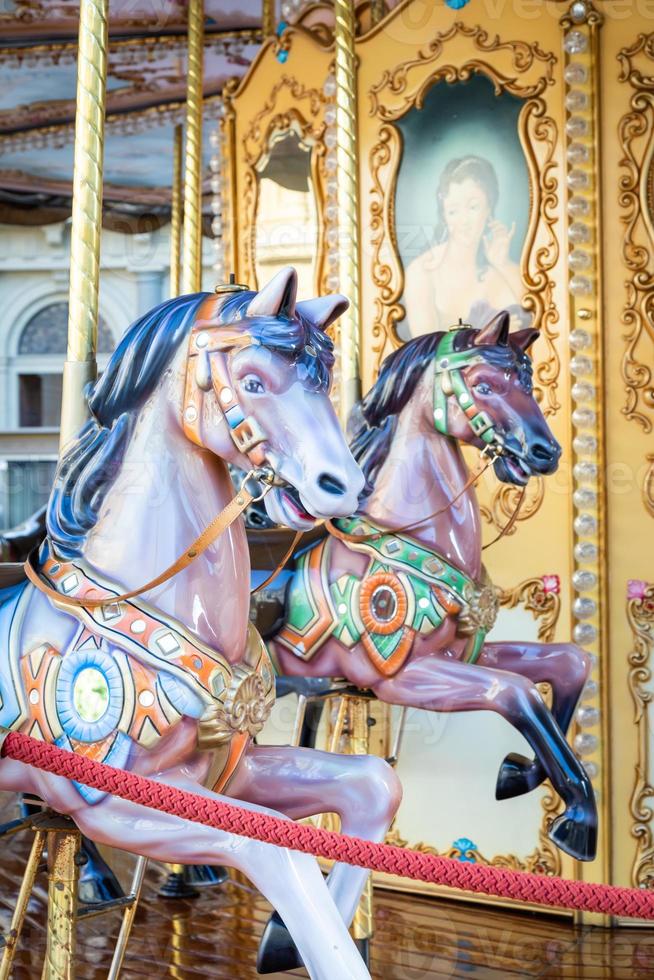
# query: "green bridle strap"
449,381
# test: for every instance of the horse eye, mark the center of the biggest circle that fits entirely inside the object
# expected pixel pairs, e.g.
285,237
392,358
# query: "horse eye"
252,384
483,388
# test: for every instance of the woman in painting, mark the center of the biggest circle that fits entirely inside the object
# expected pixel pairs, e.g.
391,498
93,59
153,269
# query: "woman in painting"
469,272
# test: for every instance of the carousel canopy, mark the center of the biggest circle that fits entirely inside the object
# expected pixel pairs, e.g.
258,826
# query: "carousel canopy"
146,84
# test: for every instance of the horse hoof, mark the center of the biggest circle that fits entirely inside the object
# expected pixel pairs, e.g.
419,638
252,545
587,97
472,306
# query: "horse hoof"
577,837
277,951
363,945
517,776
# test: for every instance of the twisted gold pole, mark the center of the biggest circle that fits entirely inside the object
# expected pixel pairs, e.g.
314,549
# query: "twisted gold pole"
80,366
268,17
176,213
362,925
192,256
348,202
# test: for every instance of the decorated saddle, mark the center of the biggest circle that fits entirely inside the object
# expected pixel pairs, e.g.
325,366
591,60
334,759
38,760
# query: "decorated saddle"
129,675
407,589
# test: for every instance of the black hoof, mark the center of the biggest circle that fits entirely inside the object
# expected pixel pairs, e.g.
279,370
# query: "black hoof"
97,882
363,945
177,886
518,776
576,835
206,875
277,951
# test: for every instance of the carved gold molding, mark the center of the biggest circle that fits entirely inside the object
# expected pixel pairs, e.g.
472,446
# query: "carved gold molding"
305,118
517,67
640,614
636,136
506,499
541,597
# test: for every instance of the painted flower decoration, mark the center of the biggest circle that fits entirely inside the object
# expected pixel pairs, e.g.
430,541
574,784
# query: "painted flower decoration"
636,588
551,584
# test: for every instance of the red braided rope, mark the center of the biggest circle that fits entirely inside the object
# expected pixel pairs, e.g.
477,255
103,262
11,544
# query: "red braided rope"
527,887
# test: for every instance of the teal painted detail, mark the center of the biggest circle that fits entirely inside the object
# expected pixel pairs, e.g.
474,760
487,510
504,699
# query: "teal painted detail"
344,603
301,611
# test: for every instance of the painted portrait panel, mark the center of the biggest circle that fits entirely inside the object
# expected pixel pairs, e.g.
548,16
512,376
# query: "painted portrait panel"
461,207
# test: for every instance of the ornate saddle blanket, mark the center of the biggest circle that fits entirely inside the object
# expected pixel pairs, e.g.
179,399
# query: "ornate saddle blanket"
128,677
407,589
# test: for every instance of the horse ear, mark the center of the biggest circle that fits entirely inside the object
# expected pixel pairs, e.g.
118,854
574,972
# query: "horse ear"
323,310
524,338
278,297
495,333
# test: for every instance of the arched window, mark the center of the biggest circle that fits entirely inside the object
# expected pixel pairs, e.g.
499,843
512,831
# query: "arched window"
41,351
47,332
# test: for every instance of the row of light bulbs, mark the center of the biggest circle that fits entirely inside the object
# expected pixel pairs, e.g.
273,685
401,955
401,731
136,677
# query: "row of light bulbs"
218,190
583,369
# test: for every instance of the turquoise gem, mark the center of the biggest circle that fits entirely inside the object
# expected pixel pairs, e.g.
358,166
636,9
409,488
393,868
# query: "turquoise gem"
282,57
457,4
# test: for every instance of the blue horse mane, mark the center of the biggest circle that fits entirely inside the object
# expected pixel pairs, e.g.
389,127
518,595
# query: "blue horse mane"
90,464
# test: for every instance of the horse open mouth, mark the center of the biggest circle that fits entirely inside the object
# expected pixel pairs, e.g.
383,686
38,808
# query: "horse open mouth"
290,498
511,469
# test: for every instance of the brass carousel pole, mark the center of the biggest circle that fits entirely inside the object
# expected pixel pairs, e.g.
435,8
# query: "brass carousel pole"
267,18
63,877
192,233
176,213
80,366
348,202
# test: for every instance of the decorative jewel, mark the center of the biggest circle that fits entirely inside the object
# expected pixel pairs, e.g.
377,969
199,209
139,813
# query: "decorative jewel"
575,74
551,584
636,589
592,770
577,153
584,417
580,286
577,180
580,339
576,126
329,88
585,744
575,42
584,580
584,633
586,551
456,4
587,717
579,259
591,687
582,391
585,524
584,608
584,445
576,100
579,11
578,206
584,498
581,365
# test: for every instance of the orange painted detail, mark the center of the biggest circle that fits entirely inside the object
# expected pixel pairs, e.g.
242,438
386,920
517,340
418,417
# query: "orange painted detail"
369,587
304,643
35,668
390,666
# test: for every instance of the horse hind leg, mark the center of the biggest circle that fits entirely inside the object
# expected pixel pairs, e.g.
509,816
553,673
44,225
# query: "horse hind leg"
566,668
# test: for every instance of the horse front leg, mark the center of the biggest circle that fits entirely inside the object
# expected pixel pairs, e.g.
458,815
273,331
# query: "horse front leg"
363,790
565,667
438,684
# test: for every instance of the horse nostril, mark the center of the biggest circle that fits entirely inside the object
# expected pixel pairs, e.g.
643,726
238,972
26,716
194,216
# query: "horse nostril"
544,452
330,484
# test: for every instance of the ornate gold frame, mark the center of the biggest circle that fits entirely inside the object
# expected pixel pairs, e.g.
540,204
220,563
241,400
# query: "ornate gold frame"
273,99
640,615
517,67
636,136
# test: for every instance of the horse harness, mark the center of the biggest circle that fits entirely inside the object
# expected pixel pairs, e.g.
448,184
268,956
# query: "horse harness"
149,671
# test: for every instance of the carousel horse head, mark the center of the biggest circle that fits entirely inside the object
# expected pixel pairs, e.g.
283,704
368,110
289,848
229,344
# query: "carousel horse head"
482,394
244,375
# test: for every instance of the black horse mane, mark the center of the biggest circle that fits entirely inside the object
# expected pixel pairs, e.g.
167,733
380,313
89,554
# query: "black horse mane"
373,420
91,463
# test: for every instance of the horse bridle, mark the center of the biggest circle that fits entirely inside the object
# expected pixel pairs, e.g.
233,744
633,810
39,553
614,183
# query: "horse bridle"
204,372
449,382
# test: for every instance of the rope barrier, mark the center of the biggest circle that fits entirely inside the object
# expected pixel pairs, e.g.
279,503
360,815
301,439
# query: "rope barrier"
236,819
